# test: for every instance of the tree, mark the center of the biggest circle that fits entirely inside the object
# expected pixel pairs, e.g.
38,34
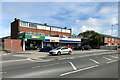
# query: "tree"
74,35
91,38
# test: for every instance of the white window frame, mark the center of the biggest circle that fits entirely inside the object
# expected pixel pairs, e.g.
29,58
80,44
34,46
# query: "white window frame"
41,27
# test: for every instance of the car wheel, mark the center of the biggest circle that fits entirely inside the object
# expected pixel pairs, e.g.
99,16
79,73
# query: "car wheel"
69,52
59,53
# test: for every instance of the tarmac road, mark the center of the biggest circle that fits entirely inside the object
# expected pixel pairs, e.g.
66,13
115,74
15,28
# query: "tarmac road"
96,66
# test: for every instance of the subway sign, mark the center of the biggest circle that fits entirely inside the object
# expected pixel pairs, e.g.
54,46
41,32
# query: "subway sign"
34,37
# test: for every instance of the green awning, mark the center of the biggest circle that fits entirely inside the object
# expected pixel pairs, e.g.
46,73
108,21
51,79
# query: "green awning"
34,37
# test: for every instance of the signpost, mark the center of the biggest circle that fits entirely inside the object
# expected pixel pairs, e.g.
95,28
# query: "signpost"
11,45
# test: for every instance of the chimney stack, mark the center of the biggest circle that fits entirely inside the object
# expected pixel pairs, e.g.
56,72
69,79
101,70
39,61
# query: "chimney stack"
45,24
15,19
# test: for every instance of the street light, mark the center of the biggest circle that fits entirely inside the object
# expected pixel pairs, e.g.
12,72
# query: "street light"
111,33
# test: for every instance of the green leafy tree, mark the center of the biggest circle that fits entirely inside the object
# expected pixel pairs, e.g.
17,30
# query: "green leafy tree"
91,38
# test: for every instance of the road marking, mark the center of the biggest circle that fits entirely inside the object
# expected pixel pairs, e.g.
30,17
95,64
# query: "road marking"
13,61
2,72
78,70
4,54
113,56
107,58
95,61
36,67
112,61
73,66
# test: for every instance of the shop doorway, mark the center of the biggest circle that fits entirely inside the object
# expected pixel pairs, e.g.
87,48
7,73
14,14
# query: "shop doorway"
33,44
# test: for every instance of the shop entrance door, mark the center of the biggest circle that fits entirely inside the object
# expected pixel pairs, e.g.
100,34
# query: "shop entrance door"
33,44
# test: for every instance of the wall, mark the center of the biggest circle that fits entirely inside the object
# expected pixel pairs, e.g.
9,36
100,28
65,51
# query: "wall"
14,29
13,45
26,29
112,40
108,47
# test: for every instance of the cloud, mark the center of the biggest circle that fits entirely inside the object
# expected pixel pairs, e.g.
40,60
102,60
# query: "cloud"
108,32
4,31
90,22
85,28
114,20
97,24
76,15
108,10
105,10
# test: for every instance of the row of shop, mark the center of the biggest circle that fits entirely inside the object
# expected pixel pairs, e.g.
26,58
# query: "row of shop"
37,41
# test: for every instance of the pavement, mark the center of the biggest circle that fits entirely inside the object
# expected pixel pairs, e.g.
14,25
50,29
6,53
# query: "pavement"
35,55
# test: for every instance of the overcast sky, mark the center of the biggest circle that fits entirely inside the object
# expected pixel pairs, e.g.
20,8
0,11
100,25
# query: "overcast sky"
80,16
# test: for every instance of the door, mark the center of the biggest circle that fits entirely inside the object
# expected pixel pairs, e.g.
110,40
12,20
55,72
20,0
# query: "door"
64,50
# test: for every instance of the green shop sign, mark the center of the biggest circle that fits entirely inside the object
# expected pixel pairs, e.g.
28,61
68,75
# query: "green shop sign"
34,37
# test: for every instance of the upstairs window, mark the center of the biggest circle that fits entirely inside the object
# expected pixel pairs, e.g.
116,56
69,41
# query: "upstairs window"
106,38
109,38
26,24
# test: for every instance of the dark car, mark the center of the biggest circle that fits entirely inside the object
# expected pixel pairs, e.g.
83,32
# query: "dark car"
78,48
86,47
46,49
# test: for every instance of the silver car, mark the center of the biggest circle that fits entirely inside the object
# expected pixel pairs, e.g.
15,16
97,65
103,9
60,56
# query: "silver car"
61,50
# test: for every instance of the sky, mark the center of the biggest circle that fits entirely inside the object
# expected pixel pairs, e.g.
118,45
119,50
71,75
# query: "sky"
79,16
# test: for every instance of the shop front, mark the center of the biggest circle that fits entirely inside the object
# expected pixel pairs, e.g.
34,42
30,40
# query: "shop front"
57,42
33,42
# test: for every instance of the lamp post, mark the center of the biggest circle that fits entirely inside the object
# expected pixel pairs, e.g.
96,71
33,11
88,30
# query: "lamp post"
111,33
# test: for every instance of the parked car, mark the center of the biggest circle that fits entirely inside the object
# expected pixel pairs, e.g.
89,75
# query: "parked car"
46,49
78,48
86,47
61,50
69,47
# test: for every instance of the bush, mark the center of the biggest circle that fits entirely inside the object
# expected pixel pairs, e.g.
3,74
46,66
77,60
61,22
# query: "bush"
118,46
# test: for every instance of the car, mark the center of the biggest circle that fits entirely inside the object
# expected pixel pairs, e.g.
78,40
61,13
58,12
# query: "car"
78,48
61,50
69,47
86,47
46,49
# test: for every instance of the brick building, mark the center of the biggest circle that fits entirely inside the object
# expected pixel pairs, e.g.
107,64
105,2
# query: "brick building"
19,26
31,35
111,41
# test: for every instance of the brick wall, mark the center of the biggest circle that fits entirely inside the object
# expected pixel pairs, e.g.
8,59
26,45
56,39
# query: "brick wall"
25,29
14,29
13,45
111,41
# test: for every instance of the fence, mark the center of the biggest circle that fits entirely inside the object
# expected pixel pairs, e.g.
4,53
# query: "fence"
1,46
109,47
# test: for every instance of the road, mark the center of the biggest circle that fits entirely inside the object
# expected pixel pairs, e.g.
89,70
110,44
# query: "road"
93,66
